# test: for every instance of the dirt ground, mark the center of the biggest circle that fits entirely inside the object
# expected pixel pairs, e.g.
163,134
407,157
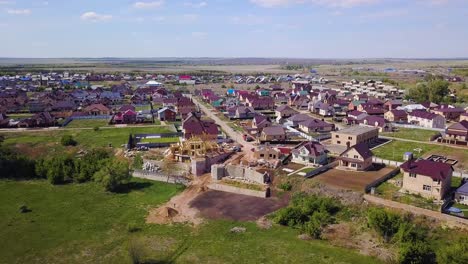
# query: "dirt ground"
222,205
351,180
178,209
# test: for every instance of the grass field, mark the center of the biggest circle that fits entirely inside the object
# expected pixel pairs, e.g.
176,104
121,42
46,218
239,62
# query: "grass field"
161,140
47,142
412,134
83,224
88,123
395,150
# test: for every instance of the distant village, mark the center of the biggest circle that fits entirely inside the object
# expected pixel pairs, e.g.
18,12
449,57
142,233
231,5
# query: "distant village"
321,125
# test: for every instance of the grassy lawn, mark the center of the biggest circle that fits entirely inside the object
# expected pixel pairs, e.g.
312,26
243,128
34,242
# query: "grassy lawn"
306,170
243,185
19,116
143,108
412,134
88,138
83,224
389,191
400,147
88,123
161,140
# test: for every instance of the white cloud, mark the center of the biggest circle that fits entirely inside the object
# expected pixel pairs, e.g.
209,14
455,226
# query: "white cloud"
19,11
196,5
329,3
95,17
148,5
199,34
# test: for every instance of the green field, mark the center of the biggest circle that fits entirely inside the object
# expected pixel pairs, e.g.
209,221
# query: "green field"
161,140
83,224
412,134
143,108
395,150
19,116
49,141
88,123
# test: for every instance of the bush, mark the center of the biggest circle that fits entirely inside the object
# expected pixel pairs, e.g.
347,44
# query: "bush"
410,233
96,128
454,253
384,222
138,162
416,253
113,175
133,227
67,140
287,186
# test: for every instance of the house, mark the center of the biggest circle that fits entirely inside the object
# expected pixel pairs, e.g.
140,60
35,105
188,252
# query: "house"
126,117
464,116
356,135
392,104
457,131
326,109
195,126
358,158
313,125
266,153
260,121
273,133
450,113
262,103
96,110
298,118
357,115
284,111
310,153
430,179
398,116
241,112
376,121
167,114
461,194
426,119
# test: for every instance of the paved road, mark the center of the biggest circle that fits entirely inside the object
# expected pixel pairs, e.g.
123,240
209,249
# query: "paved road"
247,146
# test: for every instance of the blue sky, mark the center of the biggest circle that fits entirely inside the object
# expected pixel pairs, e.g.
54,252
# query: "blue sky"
234,28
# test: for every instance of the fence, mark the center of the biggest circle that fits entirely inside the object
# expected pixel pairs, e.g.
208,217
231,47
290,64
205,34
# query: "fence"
237,190
387,162
418,127
157,176
377,182
321,169
71,118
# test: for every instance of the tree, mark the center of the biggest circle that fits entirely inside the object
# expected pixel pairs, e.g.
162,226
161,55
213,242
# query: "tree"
454,253
416,253
410,233
385,223
113,175
67,140
435,90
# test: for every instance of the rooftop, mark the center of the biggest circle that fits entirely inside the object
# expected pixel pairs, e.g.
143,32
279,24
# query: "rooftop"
356,130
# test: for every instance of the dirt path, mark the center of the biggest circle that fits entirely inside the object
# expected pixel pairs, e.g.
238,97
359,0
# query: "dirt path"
178,209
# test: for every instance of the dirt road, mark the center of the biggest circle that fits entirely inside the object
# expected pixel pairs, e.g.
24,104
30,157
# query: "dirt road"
247,146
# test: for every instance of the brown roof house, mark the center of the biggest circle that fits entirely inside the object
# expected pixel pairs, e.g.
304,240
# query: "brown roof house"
273,133
426,119
430,179
357,158
310,153
313,125
284,111
396,116
458,131
195,126
97,109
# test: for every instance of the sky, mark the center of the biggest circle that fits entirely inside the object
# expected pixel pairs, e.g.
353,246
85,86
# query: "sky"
234,28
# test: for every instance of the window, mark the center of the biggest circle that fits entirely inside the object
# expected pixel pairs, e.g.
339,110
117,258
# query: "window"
337,136
412,175
356,156
338,142
350,138
426,187
462,198
262,155
353,165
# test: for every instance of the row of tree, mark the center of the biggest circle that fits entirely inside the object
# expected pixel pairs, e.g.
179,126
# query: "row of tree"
97,165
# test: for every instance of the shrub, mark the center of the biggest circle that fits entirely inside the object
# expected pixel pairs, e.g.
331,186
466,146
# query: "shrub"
287,186
384,222
138,162
96,128
416,253
67,140
454,253
113,175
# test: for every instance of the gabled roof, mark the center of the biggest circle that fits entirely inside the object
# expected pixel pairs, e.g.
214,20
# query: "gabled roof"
399,113
315,149
315,123
362,149
274,131
462,125
435,170
423,115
